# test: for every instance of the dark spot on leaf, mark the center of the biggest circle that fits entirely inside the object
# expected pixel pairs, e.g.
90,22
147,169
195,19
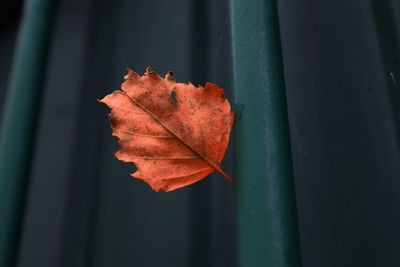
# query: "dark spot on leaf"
173,97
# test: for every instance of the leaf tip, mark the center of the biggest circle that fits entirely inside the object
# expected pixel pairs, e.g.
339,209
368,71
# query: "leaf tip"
131,74
102,101
169,76
152,74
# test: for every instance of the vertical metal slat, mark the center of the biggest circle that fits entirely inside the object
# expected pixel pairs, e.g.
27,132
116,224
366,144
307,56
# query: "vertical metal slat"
19,121
267,220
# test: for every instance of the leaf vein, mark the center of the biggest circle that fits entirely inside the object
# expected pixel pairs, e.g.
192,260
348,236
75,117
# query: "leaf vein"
144,135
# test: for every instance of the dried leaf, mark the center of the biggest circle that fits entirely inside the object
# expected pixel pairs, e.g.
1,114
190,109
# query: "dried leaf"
175,133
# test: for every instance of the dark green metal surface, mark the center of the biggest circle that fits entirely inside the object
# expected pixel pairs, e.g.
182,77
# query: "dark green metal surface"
19,121
267,221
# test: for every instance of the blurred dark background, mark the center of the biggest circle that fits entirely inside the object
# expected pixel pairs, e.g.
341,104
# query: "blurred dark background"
341,61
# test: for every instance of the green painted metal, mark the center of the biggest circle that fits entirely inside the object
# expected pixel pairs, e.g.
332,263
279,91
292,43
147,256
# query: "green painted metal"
19,120
267,220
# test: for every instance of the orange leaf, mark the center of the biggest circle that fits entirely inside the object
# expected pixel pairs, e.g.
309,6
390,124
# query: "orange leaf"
175,133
